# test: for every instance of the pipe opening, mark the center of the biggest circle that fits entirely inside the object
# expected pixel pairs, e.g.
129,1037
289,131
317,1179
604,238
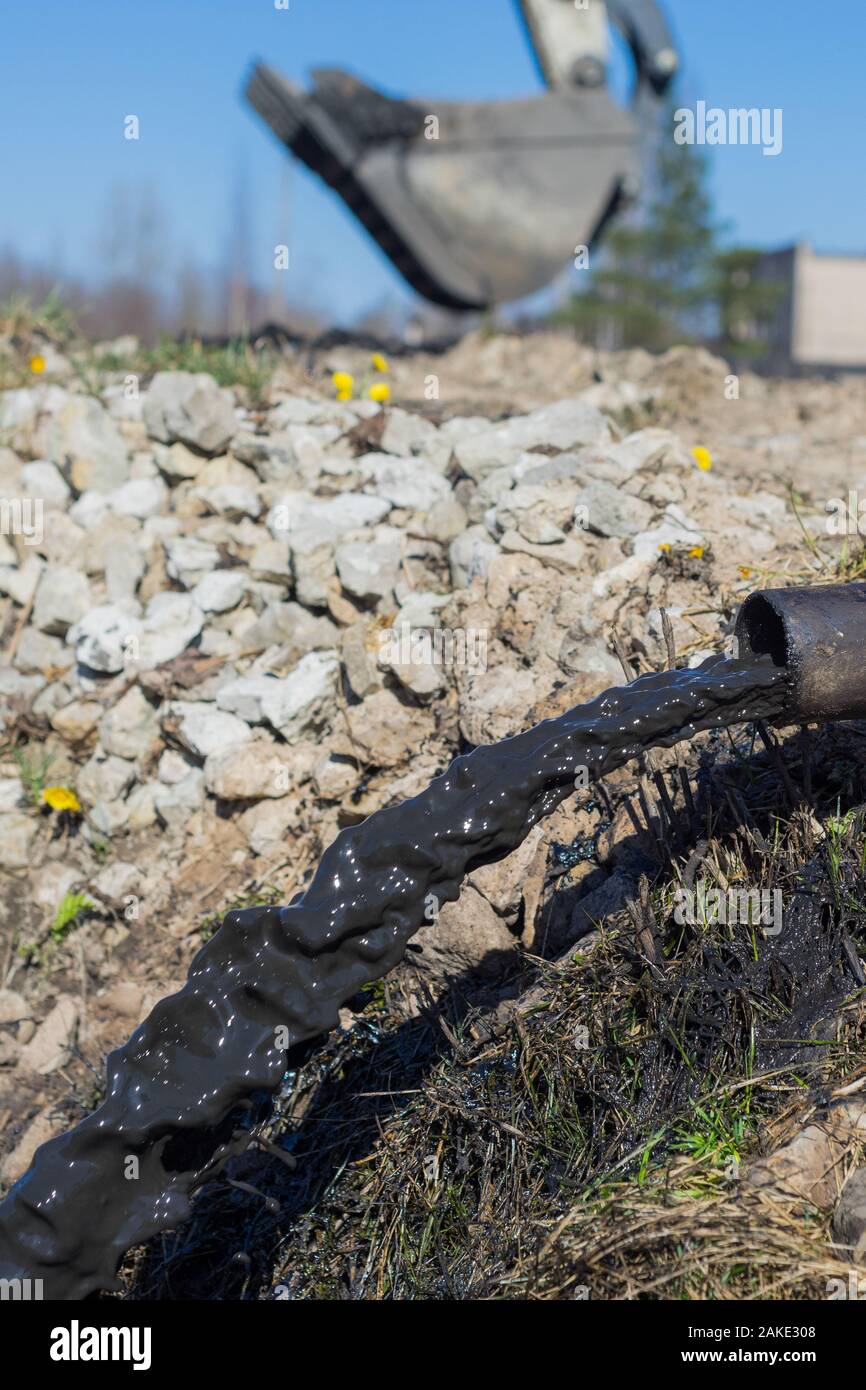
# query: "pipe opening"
761,631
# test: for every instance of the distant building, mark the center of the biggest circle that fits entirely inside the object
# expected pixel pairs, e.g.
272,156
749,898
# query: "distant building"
820,323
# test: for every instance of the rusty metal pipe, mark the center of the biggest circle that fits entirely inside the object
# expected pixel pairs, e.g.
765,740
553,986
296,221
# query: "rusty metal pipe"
819,634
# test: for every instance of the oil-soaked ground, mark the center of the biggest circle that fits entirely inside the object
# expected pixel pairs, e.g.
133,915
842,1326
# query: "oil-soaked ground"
426,1156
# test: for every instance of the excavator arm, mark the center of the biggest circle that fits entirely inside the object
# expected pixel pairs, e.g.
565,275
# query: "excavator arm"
571,40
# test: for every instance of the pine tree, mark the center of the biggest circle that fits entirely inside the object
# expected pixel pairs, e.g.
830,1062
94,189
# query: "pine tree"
746,302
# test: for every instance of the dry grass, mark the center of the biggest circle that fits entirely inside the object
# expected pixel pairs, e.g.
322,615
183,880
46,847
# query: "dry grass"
665,1245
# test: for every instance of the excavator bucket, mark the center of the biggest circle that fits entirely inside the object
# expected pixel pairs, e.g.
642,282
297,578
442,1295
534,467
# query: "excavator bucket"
477,203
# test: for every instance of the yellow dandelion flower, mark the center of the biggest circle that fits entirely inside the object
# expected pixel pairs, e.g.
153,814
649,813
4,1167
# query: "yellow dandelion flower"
37,364
61,799
380,391
697,552
344,385
744,572
380,362
664,547
703,458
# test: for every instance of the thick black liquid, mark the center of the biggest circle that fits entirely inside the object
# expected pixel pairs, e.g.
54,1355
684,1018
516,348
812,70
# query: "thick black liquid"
272,977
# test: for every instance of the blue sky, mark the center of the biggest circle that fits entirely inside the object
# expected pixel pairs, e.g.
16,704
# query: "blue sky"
71,72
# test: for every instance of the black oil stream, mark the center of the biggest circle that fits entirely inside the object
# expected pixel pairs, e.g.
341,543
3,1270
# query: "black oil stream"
272,977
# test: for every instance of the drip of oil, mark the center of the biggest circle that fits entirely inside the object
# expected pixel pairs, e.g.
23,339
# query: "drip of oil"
178,1092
